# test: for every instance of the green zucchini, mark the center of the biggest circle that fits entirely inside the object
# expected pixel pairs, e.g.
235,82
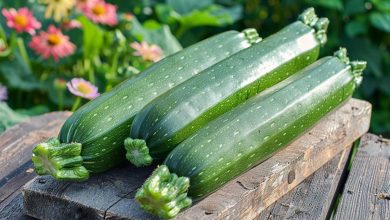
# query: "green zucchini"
91,140
173,117
248,134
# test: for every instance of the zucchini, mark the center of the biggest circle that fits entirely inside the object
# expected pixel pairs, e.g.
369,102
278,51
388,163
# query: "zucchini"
91,140
248,134
173,117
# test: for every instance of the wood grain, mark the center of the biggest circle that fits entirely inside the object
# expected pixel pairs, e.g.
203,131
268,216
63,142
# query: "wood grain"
15,159
110,196
367,191
18,141
314,197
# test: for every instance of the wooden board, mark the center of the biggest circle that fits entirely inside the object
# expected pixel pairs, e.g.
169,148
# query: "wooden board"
15,159
367,191
313,198
110,195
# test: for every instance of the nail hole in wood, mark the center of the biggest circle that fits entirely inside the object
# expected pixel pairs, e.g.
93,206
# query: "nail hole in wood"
41,181
208,212
291,176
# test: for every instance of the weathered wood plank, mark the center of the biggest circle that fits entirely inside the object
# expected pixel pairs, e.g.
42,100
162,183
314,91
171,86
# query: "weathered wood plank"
46,198
18,141
367,190
15,159
314,197
242,198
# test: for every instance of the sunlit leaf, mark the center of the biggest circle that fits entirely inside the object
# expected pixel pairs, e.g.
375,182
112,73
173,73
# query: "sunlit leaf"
185,7
161,36
380,21
93,38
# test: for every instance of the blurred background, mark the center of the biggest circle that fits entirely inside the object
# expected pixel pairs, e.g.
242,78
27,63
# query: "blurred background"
106,42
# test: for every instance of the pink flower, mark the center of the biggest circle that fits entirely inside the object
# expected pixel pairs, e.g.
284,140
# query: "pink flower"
52,43
148,52
80,4
100,12
21,20
70,24
82,88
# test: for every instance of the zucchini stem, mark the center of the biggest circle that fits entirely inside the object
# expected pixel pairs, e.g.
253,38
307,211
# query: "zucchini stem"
320,25
137,152
164,194
252,36
62,161
357,67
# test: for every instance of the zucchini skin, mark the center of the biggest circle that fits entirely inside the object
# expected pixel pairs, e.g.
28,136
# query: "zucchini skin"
247,135
101,125
179,113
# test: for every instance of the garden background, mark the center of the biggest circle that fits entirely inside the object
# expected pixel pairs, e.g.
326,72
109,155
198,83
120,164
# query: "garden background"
58,54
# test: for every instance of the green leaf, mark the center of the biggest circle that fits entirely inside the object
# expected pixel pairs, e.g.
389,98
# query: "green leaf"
212,16
380,21
186,7
355,28
331,4
93,38
382,5
364,49
166,14
17,74
161,36
384,85
8,117
354,7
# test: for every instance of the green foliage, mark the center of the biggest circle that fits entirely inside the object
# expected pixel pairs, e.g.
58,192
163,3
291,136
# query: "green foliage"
93,37
155,33
8,117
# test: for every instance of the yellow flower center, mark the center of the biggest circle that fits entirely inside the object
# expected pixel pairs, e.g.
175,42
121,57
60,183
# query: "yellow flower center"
54,39
20,20
84,88
99,9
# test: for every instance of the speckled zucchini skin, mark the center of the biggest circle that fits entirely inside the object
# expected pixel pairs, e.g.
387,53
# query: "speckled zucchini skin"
101,125
173,117
250,133
247,135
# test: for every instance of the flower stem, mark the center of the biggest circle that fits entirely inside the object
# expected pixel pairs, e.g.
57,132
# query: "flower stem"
23,51
60,96
76,104
88,68
2,33
180,31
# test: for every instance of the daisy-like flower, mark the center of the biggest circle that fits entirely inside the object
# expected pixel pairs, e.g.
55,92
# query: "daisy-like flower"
82,88
58,8
100,12
52,44
21,20
147,52
3,93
